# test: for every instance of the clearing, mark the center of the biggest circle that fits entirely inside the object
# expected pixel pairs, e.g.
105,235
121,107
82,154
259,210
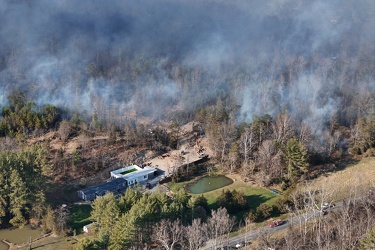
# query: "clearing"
354,179
254,195
79,216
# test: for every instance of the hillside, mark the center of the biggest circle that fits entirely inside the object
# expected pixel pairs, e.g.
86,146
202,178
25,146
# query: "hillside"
354,179
280,94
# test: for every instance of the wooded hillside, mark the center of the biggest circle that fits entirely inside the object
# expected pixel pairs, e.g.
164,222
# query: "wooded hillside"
281,91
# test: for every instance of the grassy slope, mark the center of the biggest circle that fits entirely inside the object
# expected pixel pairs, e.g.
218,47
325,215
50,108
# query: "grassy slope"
354,178
254,195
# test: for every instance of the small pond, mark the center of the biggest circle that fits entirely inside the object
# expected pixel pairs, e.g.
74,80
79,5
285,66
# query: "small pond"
208,183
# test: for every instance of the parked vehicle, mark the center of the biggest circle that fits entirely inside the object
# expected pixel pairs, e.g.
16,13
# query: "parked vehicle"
275,223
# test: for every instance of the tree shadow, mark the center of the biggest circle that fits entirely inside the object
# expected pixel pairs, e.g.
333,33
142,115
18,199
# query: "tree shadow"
327,168
254,201
344,163
79,216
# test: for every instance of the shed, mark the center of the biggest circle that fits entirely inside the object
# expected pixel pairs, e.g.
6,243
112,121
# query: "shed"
90,227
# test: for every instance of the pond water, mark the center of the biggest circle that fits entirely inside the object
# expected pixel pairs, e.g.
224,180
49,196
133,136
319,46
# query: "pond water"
208,183
18,236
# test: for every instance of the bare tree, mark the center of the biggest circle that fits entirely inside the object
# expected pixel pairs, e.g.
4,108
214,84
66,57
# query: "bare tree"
283,128
266,152
247,143
233,157
319,228
84,141
307,209
269,159
196,234
218,225
304,133
220,136
265,241
248,169
64,130
248,227
168,233
332,141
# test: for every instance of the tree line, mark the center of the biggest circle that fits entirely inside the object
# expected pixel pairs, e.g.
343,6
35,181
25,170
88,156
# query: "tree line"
22,183
280,150
23,117
138,220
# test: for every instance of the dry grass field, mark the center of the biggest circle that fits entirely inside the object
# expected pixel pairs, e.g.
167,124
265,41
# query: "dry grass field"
353,180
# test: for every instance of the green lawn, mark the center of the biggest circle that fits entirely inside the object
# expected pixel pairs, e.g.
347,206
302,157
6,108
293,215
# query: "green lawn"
79,216
254,195
129,171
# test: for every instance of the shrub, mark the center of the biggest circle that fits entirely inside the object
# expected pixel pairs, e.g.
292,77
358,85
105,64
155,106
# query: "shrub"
263,212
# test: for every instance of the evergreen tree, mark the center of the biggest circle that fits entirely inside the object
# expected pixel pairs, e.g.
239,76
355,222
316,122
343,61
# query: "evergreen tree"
49,220
233,201
4,197
39,207
124,233
105,212
18,199
295,157
128,200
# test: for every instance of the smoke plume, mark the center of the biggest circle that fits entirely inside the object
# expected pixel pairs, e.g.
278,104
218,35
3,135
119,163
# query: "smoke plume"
150,58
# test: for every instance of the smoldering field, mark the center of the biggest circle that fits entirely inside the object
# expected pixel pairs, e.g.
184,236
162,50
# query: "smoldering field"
313,59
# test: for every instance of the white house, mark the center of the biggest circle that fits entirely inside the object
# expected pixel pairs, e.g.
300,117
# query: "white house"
134,174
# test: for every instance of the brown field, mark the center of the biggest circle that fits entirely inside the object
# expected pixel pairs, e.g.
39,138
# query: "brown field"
354,179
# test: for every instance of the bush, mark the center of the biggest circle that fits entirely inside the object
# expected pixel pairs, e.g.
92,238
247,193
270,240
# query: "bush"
263,212
280,206
252,216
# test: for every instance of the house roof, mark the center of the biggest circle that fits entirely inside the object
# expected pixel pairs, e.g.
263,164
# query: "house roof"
120,170
106,186
145,171
132,175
